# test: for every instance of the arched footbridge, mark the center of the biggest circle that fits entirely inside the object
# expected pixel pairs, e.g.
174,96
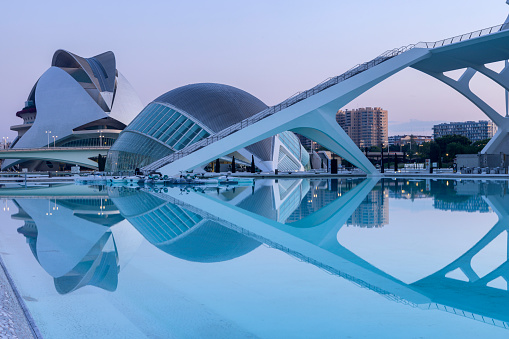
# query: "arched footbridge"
72,155
312,112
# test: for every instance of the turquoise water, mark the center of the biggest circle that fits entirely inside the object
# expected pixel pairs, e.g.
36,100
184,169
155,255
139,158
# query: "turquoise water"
343,258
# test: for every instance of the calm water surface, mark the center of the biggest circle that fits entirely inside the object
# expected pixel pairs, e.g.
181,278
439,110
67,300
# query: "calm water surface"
343,258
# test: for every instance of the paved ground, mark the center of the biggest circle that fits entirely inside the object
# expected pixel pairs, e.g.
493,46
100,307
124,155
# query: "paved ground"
13,323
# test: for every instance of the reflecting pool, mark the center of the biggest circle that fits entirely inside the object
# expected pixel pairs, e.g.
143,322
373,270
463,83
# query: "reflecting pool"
299,258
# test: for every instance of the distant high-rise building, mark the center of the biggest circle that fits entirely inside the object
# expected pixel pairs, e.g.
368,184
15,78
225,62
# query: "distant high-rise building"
373,211
473,130
365,126
401,140
308,144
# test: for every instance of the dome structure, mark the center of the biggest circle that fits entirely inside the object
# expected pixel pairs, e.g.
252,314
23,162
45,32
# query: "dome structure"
213,105
77,102
190,113
178,231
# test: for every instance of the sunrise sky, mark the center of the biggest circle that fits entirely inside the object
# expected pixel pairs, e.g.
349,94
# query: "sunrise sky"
270,49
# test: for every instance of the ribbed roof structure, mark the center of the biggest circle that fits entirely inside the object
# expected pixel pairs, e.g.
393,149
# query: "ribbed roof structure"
217,107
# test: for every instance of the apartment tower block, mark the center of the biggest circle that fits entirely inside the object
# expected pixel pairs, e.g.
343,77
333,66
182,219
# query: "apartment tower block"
365,126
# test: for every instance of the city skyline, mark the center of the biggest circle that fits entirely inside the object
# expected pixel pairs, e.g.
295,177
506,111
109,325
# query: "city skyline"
263,49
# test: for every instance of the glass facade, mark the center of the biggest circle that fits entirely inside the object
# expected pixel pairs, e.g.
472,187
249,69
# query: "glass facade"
285,162
156,132
165,223
90,142
167,125
133,150
293,145
191,113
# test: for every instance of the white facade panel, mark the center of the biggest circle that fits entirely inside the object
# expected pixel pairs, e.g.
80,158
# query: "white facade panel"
126,103
62,104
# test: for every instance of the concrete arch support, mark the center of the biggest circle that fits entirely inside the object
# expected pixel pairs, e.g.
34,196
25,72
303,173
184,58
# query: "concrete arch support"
313,117
319,127
462,86
326,131
500,141
501,78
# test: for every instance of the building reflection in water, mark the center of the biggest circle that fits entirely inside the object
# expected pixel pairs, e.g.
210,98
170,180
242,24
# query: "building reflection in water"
374,210
455,288
178,231
79,241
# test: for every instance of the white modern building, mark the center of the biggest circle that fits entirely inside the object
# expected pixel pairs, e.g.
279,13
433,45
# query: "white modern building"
78,102
193,112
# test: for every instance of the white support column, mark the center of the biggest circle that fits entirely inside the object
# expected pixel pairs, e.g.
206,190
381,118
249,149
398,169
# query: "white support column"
314,117
500,141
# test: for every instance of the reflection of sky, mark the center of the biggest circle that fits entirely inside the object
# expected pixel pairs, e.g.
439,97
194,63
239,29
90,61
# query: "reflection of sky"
419,240
264,293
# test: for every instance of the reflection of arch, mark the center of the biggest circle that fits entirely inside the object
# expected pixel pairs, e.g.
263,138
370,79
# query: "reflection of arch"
317,245
471,300
473,293
500,142
464,263
313,112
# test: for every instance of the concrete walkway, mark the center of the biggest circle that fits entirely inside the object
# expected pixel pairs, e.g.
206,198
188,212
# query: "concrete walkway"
13,319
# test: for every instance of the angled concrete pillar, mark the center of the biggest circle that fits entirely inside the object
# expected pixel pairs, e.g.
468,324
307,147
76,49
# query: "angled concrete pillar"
500,141
313,117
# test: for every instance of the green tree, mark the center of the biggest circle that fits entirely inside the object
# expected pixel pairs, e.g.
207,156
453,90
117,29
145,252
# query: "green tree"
477,146
455,148
434,153
424,151
448,139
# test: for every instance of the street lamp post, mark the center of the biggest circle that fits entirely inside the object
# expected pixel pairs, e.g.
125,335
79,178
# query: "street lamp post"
48,133
100,137
5,141
54,138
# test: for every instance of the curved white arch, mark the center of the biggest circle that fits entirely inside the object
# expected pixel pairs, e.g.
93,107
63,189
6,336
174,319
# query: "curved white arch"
313,117
455,53
126,103
62,105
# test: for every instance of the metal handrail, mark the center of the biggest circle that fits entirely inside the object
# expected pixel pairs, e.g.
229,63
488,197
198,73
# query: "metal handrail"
299,96
51,148
271,110
463,37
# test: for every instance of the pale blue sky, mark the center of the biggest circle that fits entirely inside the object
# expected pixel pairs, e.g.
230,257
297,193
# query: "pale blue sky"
271,49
